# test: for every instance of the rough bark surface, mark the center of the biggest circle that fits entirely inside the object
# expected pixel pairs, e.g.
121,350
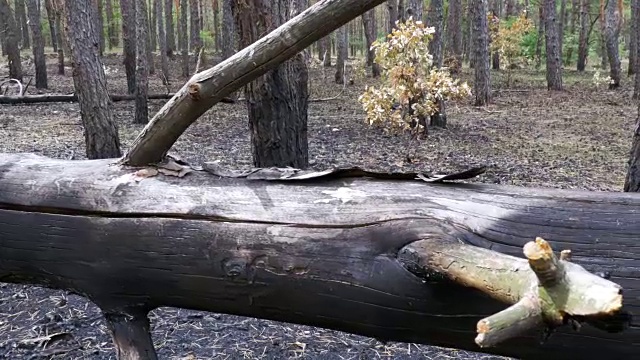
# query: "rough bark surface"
228,31
583,39
21,24
12,49
323,253
58,8
482,79
633,37
613,19
436,19
415,9
169,26
100,19
278,100
342,39
127,11
370,34
162,42
112,33
392,9
48,4
194,26
554,60
142,66
183,38
100,131
632,181
33,11
454,29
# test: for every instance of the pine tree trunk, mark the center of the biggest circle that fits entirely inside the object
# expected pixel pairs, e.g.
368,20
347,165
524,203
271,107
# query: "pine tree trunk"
153,26
195,26
436,19
392,8
613,19
402,16
142,69
482,83
58,9
454,29
228,31
326,57
100,20
162,42
561,25
541,32
495,57
52,24
216,25
554,60
342,38
278,100
632,180
633,37
21,18
472,35
415,9
369,24
127,11
169,26
583,39
33,11
183,39
13,51
636,85
100,131
111,26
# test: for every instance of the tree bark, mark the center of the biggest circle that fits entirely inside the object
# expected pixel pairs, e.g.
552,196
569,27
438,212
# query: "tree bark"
153,26
112,33
370,34
162,41
169,25
100,19
151,64
436,19
278,100
127,11
100,131
342,39
554,60
632,180
541,33
495,57
216,25
58,8
229,31
13,51
326,58
613,18
633,37
33,11
401,11
196,42
482,83
355,254
21,30
142,67
392,8
454,30
471,20
561,26
183,38
415,9
583,40
52,27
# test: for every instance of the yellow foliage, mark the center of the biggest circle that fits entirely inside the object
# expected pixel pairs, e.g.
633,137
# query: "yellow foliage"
507,40
412,87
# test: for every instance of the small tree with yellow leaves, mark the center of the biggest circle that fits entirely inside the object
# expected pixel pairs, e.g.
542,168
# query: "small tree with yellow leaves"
412,87
507,37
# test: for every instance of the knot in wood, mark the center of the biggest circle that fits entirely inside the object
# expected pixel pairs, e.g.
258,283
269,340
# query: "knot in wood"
194,91
235,268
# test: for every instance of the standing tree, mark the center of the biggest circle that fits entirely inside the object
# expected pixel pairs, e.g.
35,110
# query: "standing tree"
183,39
22,29
369,24
482,79
494,26
392,8
554,60
127,10
13,51
112,33
561,25
100,131
58,9
454,30
228,32
583,39
33,11
415,9
436,19
168,20
612,21
278,100
48,4
341,48
100,22
142,67
633,36
196,41
632,180
162,41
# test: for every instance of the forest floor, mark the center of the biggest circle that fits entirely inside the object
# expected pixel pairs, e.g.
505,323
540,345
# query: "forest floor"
577,139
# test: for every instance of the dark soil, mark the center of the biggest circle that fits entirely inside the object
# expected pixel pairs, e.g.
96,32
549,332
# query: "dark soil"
576,139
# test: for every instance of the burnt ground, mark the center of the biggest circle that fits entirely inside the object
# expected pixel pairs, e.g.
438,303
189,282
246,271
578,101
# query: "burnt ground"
576,139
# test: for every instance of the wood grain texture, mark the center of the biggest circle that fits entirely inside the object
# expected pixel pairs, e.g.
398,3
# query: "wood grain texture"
320,252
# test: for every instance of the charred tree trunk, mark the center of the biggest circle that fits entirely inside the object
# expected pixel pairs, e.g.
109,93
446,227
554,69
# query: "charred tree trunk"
162,41
370,29
194,27
48,4
613,19
183,38
169,26
13,51
583,40
454,30
142,68
436,19
33,11
127,11
278,100
342,39
100,131
554,60
482,83
112,33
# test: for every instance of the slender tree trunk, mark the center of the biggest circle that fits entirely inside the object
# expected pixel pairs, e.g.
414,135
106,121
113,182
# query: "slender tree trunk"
127,11
472,35
575,15
58,9
454,29
18,26
151,65
326,57
196,42
436,19
633,37
33,11
613,19
392,8
228,32
561,25
153,26
583,39
636,85
402,16
369,24
342,38
495,58
13,51
278,100
216,25
21,18
100,131
162,40
112,34
632,180
100,19
52,24
183,39
482,83
168,20
142,69
554,60
541,32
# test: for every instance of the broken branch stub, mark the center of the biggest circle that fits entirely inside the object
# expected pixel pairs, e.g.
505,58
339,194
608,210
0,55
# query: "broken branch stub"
543,290
208,87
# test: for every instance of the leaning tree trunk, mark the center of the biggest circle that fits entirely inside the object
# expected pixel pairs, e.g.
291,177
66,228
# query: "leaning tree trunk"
100,131
13,51
183,39
436,19
277,101
142,67
554,60
482,83
169,26
39,59
612,22
583,40
127,11
162,41
342,39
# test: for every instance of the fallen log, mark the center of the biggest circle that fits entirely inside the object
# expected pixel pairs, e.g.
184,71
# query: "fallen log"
341,250
49,98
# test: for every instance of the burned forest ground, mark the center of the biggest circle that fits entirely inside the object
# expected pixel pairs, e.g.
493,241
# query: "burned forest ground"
576,139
